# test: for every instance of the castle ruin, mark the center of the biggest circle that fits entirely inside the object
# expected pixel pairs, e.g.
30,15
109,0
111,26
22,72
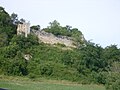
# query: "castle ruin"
23,28
45,37
52,39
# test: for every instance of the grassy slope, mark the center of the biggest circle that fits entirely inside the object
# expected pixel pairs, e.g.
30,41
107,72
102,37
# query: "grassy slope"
19,83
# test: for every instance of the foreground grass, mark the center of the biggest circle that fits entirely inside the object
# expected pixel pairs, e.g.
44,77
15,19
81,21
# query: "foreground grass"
13,84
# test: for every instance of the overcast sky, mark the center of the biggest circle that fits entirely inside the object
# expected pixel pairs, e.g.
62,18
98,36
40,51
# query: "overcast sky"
99,20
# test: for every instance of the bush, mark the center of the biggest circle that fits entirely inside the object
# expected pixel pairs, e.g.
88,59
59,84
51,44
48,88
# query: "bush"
46,69
113,81
32,76
113,85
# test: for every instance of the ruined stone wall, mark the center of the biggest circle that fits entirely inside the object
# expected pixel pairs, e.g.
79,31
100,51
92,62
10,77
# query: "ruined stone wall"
52,39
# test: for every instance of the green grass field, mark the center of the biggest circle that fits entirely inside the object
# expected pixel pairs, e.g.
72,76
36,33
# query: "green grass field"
46,86
13,83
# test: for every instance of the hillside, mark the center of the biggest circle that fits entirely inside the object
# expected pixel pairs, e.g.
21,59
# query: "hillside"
87,63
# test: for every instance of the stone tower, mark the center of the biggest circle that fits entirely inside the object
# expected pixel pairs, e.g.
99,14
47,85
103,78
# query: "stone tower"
23,28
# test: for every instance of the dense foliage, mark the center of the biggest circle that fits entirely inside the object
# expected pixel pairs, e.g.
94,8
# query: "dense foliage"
86,64
7,29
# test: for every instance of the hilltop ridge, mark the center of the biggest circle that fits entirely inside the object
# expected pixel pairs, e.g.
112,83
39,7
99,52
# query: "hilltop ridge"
54,34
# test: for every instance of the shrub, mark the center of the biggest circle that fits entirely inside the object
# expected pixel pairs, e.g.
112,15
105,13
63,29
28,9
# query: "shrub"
113,81
32,76
46,69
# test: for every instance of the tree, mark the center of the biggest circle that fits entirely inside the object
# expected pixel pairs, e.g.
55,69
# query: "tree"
35,27
22,20
14,18
4,17
17,66
54,28
111,55
6,26
68,27
55,23
91,57
25,42
113,81
3,39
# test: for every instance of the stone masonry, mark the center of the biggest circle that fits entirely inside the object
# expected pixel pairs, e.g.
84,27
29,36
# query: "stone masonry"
52,39
23,28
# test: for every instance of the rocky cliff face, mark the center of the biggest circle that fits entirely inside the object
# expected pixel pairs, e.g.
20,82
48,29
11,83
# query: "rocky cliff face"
52,39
